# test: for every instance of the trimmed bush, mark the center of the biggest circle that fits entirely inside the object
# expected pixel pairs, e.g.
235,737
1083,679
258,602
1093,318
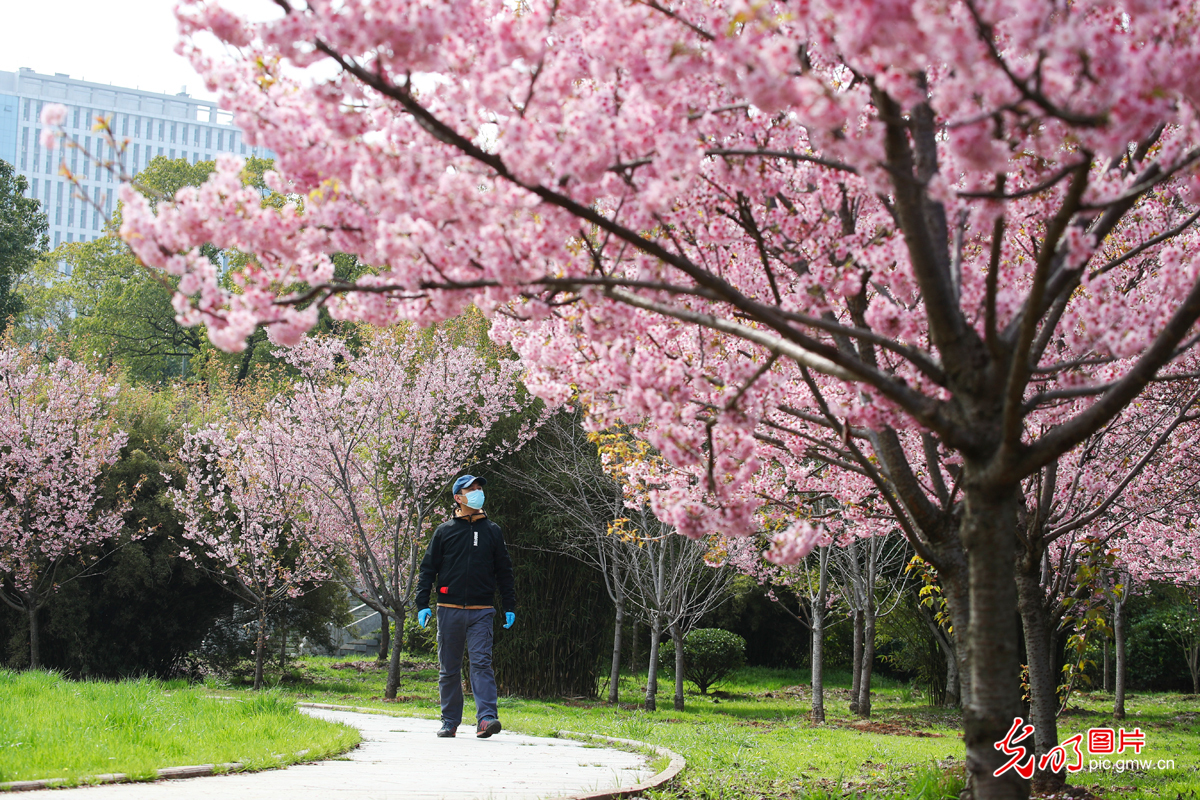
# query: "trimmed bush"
709,654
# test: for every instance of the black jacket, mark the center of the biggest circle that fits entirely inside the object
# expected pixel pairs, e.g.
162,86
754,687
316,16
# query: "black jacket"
468,559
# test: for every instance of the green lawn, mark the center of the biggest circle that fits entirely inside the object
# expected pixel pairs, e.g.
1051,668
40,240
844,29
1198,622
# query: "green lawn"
754,740
56,728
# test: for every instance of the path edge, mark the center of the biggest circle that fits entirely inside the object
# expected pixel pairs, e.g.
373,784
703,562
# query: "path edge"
676,765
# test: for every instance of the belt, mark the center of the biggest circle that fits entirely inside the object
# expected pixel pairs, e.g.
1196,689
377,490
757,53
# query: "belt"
469,608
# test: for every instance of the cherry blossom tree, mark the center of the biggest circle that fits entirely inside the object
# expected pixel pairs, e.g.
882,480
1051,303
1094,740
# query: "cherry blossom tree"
241,506
945,219
374,440
57,436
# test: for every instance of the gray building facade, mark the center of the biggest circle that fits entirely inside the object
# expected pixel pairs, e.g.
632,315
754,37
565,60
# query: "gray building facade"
174,126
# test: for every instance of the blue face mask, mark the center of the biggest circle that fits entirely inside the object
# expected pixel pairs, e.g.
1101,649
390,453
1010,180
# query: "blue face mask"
475,499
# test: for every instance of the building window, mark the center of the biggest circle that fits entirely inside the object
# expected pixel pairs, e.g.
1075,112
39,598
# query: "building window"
137,127
196,135
160,151
220,140
58,204
76,116
33,193
28,104
172,133
208,138
162,126
57,238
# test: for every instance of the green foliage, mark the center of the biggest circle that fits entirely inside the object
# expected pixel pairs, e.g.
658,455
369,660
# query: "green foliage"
564,615
23,229
774,638
55,728
709,655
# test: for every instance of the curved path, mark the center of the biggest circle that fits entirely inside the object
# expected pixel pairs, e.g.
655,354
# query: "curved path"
401,758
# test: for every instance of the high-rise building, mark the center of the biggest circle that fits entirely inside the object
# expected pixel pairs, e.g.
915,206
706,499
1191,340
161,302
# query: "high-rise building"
175,126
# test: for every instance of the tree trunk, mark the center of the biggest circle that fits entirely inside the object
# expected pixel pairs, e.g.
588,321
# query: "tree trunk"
35,648
856,660
385,637
282,648
614,678
393,678
652,670
1119,647
988,530
677,640
868,657
260,648
1039,653
818,637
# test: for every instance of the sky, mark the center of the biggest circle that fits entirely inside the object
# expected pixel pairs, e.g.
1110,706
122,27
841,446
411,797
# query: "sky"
122,42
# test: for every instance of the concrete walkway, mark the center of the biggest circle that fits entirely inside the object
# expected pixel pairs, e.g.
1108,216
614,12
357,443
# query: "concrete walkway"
400,758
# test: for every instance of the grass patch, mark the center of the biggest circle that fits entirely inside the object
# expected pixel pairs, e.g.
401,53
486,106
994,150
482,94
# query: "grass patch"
753,740
51,728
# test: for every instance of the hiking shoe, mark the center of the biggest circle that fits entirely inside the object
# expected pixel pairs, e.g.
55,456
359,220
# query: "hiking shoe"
447,731
487,727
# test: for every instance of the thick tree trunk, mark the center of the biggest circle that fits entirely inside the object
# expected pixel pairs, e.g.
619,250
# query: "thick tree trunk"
35,648
651,703
1119,647
868,658
260,648
988,528
385,637
1039,653
856,660
614,679
677,640
818,637
393,678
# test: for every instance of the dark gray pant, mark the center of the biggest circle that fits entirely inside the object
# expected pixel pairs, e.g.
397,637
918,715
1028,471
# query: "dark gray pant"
470,628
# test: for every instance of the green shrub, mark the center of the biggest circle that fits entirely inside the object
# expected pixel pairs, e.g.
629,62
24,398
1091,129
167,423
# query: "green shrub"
709,654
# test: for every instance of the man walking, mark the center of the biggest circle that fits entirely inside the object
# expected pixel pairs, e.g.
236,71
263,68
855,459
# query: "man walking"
468,559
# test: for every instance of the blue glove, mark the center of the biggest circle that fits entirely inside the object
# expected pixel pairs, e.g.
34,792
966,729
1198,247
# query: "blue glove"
423,616
509,619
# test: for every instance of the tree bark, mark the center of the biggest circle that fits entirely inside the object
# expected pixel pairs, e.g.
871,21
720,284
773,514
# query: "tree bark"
385,637
818,637
614,678
1039,653
677,640
989,522
856,660
260,649
282,648
651,703
1119,647
868,657
393,677
35,650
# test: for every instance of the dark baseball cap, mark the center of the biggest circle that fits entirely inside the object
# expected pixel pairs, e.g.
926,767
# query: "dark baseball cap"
467,480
